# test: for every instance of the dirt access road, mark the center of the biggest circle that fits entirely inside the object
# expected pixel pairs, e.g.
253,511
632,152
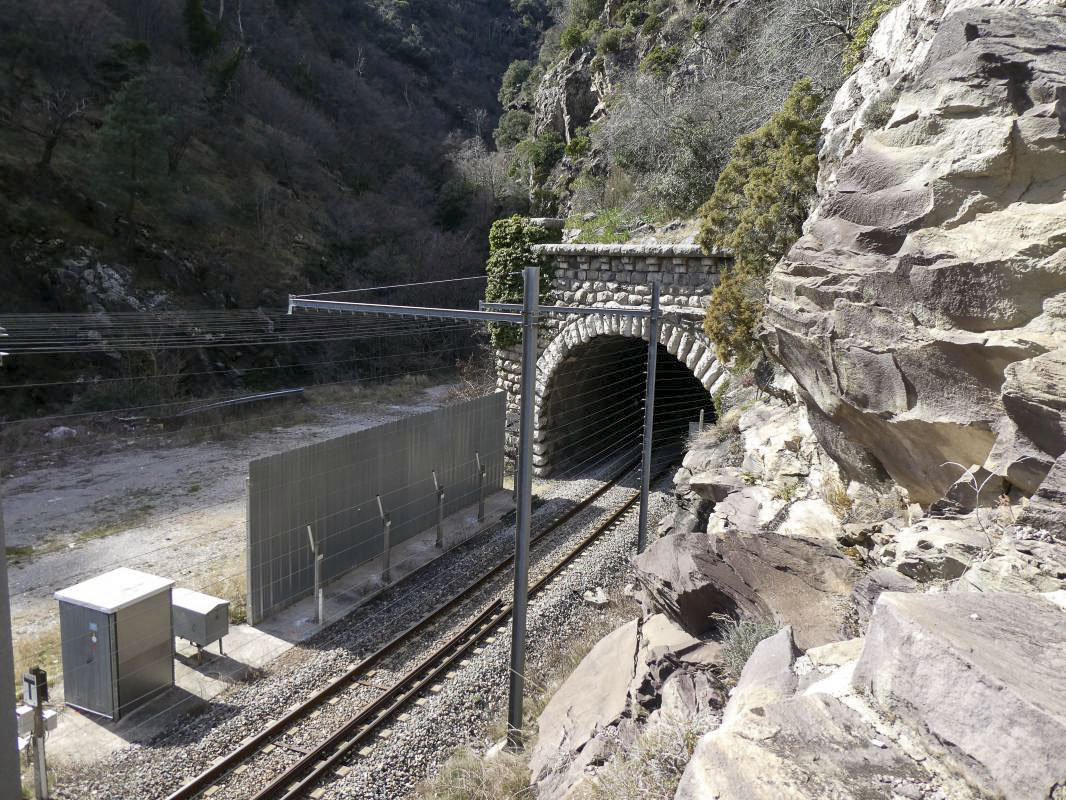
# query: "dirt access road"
173,511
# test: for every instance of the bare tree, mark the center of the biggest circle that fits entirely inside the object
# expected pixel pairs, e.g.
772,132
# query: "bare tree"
58,109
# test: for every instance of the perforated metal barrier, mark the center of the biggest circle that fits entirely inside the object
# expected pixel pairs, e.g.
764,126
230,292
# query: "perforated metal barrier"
334,486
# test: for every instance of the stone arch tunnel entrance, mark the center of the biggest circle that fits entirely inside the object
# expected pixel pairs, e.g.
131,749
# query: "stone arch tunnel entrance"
593,405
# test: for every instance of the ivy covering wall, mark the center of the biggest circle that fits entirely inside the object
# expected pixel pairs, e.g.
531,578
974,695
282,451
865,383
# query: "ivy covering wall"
511,243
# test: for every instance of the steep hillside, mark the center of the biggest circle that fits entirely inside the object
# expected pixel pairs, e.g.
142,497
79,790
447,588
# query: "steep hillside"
629,112
219,154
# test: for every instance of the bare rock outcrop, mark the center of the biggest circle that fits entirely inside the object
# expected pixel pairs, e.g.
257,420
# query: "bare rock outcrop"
964,669
948,697
923,313
763,575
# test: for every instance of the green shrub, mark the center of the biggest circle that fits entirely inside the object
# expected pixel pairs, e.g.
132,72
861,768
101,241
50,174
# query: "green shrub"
511,243
573,37
651,25
536,156
514,78
513,128
633,13
856,48
757,210
611,41
661,60
203,37
699,23
583,12
578,146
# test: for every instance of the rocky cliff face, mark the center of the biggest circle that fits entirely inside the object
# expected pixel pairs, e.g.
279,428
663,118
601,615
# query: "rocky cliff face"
923,314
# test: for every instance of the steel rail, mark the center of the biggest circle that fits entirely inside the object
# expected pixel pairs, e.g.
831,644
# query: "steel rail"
317,763
248,746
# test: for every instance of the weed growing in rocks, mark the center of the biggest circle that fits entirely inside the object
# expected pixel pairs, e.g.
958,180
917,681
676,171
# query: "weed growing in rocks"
650,768
739,638
467,776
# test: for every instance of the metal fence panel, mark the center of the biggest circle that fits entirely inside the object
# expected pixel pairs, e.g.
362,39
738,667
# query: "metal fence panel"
333,487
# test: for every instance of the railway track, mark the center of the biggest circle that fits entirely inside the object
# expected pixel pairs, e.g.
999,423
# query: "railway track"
324,759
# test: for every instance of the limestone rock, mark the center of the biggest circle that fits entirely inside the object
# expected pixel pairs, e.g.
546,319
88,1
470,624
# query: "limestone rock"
835,654
920,310
939,548
807,747
593,697
794,581
1024,560
565,98
1047,508
982,678
715,486
870,586
621,680
664,649
690,695
766,677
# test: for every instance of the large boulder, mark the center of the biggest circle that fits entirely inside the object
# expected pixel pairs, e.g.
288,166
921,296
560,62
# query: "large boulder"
792,581
622,680
981,678
921,310
1047,508
871,585
810,747
775,745
593,698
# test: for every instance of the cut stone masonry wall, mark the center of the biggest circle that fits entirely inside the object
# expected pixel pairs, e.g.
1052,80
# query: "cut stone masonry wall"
606,275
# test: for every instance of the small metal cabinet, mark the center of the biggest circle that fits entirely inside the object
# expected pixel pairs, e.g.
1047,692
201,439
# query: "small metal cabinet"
117,643
200,619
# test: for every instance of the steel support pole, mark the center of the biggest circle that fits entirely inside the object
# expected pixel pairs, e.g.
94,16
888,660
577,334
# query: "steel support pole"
10,778
524,482
649,417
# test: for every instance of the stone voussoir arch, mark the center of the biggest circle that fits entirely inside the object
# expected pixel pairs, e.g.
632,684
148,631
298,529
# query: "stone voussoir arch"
688,346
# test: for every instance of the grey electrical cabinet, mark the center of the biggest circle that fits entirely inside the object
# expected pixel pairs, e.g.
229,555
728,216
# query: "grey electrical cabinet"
117,641
200,618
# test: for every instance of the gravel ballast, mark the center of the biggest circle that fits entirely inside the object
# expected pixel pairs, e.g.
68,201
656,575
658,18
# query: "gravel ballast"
461,712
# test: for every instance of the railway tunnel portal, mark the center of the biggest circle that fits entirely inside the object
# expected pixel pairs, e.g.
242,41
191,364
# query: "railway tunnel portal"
591,369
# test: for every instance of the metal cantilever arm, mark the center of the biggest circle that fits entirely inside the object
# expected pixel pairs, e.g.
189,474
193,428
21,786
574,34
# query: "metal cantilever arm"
621,311
403,311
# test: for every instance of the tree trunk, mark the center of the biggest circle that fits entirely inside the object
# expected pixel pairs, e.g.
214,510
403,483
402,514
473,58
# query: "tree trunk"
50,142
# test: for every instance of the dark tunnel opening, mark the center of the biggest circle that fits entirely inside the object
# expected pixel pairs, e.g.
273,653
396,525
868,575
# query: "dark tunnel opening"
594,409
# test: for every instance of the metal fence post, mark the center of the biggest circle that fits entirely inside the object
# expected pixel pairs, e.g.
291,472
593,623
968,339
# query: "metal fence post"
253,602
480,487
440,511
649,417
524,482
386,533
319,594
10,777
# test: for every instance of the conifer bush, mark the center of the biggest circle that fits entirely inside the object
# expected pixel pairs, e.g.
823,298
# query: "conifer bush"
756,212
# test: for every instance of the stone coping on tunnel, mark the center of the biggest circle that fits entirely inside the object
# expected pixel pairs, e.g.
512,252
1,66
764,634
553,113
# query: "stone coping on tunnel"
675,250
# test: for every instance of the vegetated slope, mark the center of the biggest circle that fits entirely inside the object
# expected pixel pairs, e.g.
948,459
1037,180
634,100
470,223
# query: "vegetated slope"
183,153
631,108
231,153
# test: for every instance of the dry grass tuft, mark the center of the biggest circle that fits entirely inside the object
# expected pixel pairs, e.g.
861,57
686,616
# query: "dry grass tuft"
651,768
836,497
468,776
739,639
